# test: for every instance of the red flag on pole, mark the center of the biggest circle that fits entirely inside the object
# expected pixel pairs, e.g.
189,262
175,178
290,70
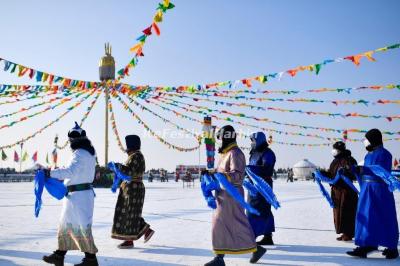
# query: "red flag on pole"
16,157
55,156
34,157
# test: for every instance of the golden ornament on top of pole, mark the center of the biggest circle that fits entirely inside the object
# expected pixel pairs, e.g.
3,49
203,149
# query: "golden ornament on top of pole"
106,73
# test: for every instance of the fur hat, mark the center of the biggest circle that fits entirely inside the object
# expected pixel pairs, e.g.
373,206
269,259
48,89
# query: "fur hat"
133,142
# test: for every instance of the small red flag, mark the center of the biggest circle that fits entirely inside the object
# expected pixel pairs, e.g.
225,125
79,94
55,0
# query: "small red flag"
34,157
16,157
147,31
55,156
396,163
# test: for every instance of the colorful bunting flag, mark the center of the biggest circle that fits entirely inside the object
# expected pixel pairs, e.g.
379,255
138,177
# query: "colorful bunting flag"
16,157
3,155
34,157
24,157
54,155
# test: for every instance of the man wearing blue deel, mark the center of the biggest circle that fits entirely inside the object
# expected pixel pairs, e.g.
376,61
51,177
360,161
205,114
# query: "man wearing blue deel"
376,220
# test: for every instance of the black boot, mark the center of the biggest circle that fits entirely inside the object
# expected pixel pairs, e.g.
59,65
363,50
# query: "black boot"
391,253
88,260
258,254
57,258
266,241
361,252
217,261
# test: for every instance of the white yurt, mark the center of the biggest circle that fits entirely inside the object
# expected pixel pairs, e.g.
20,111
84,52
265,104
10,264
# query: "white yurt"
303,170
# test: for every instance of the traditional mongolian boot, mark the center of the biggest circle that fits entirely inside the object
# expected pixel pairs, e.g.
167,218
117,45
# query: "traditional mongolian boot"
149,233
266,241
346,238
258,254
57,258
391,253
88,260
126,245
217,261
361,252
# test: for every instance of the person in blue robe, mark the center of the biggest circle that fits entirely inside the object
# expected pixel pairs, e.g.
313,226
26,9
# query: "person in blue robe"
376,219
262,162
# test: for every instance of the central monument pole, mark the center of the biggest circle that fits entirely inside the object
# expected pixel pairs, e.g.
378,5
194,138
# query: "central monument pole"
107,73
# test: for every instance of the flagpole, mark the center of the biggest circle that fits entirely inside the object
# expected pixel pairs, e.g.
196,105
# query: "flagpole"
106,73
20,158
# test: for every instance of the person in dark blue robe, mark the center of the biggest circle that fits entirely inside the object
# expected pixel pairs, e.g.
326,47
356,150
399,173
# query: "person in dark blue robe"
376,219
262,160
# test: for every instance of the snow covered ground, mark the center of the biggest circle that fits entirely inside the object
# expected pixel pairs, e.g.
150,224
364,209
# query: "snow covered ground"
304,235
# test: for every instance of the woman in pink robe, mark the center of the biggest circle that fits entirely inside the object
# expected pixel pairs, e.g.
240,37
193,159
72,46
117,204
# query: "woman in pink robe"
231,230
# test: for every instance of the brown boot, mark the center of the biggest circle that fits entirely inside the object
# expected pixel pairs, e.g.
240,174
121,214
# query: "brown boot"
149,233
346,238
126,245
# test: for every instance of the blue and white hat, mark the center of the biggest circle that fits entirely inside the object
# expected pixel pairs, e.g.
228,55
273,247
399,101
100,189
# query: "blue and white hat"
76,132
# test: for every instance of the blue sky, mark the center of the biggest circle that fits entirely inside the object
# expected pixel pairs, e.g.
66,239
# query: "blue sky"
201,42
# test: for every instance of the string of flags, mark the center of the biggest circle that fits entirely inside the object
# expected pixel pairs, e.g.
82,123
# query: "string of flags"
211,97
85,116
17,159
61,90
48,108
36,133
264,78
148,129
235,93
141,106
137,49
276,109
271,130
114,126
49,78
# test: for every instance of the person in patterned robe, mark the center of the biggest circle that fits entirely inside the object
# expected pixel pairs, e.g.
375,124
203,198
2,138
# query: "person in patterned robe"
129,224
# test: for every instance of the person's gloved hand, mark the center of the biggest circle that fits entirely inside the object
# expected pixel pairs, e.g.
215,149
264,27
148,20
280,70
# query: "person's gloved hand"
46,172
341,171
205,172
118,165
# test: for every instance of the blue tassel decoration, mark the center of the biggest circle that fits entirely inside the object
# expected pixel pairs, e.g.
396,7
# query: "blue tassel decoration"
118,177
263,188
386,176
53,186
234,193
250,187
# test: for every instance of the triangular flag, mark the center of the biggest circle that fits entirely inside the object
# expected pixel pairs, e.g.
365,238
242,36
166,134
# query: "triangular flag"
396,163
156,28
368,55
16,157
136,47
355,59
55,156
147,31
292,72
24,157
317,68
34,157
3,155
